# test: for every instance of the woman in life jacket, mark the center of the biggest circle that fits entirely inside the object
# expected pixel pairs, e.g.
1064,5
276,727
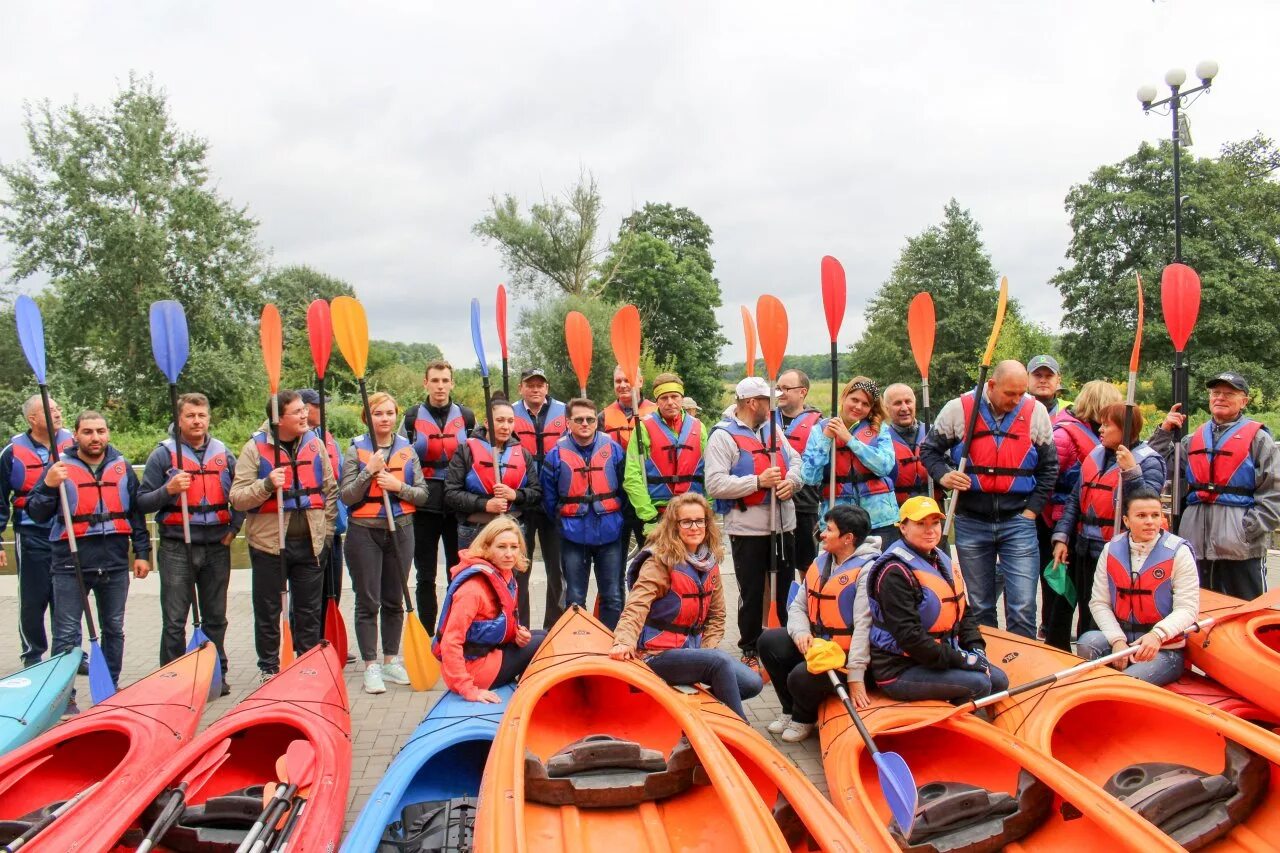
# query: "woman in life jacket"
864,457
480,640
925,642
1087,521
1146,591
384,464
830,603
675,613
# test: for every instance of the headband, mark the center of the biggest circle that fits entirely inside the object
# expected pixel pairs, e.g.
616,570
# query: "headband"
667,388
868,386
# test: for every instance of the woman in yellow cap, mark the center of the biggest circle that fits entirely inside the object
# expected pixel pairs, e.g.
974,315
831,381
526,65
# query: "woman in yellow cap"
925,643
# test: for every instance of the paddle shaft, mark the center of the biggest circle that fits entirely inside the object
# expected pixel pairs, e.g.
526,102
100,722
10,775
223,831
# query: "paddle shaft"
927,418
282,843
284,565
835,413
506,382
775,527
1124,439
1179,396
43,823
853,712
182,501
267,818
964,446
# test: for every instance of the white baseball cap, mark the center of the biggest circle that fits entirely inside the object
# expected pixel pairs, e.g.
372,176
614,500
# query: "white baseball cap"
752,386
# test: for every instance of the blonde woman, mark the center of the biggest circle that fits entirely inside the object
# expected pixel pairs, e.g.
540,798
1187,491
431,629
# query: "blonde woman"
379,463
675,613
480,641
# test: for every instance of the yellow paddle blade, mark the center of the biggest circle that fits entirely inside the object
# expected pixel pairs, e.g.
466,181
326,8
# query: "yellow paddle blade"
422,666
351,331
995,330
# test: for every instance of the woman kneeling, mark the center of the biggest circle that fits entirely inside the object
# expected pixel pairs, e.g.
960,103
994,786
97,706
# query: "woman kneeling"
674,617
480,641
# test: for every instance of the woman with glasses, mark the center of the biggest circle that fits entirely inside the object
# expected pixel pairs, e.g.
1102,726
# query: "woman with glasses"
675,614
582,487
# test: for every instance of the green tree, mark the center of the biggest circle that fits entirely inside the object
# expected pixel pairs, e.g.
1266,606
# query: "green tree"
662,264
1122,219
950,262
293,289
115,206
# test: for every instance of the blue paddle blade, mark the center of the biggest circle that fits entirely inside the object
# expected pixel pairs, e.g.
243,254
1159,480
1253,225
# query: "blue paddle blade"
198,639
101,686
169,341
476,340
31,334
898,787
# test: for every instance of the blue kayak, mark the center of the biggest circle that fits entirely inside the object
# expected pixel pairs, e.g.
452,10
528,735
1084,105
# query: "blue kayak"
427,796
33,699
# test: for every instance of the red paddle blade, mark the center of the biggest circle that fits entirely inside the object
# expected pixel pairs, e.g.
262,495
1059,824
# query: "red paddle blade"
749,332
1137,338
500,312
771,323
320,335
833,294
1180,300
300,762
921,325
271,338
624,335
335,629
577,336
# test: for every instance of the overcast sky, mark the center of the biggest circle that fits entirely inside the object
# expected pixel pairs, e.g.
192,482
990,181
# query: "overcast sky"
367,138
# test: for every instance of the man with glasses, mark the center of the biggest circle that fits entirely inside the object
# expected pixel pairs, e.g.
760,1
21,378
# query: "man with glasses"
1232,474
582,488
795,420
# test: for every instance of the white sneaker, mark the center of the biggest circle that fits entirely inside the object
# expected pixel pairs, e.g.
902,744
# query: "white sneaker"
796,732
264,677
779,725
373,679
395,672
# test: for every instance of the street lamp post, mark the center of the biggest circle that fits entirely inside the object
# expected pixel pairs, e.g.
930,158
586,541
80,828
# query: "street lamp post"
1206,71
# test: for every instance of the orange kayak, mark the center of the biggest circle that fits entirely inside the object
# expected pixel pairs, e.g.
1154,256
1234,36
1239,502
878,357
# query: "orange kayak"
980,789
1242,654
1207,778
597,754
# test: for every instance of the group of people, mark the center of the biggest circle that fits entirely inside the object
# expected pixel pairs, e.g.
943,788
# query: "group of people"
851,503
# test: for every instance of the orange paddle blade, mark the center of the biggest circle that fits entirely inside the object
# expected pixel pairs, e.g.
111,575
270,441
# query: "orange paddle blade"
624,335
771,323
577,336
749,332
272,340
921,326
1137,338
286,638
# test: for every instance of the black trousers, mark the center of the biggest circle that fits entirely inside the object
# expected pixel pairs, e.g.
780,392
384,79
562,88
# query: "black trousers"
1084,562
306,592
429,530
806,541
1244,579
632,528
751,567
800,692
210,572
1050,601
547,532
332,584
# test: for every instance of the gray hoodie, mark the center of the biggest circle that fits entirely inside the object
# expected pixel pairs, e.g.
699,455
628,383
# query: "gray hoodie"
860,642
721,453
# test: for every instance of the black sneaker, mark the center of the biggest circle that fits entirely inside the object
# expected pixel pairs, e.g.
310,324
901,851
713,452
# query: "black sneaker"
226,688
72,710
84,665
351,658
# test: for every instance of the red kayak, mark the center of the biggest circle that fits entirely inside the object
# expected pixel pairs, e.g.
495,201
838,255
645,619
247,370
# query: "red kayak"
1206,690
116,745
307,701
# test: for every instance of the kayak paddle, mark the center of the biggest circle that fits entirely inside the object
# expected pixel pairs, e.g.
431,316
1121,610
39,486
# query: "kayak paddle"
749,333
921,328
1001,304
500,312
193,780
624,337
1128,412
1180,303
170,345
320,336
771,319
31,337
300,766
351,329
833,303
44,822
271,339
577,337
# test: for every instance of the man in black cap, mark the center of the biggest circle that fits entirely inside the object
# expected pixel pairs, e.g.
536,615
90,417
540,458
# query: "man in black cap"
540,421
1231,469
1044,377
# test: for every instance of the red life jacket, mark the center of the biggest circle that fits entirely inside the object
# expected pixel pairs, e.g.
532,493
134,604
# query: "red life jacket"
1143,597
435,445
676,619
910,478
539,443
801,425
211,477
1222,473
484,635
830,593
99,504
303,475
673,463
1083,440
28,467
331,448
616,422
1002,457
853,479
588,485
1098,492
372,505
754,458
480,478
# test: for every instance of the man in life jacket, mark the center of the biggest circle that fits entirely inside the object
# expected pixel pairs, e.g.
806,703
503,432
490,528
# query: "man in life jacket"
310,490
1012,466
102,493
333,578
582,487
1231,474
204,476
540,421
745,476
909,475
618,421
22,465
796,419
436,428
1044,381
666,459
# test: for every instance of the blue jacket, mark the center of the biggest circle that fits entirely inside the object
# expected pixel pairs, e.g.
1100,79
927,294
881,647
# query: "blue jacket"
591,528
879,458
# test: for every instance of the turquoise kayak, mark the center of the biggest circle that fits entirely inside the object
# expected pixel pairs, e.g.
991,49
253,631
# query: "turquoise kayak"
33,699
427,797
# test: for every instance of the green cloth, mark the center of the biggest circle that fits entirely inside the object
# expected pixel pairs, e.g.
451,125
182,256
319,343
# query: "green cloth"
1055,575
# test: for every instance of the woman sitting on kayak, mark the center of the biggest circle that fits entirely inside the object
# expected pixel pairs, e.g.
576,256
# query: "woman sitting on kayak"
674,617
925,642
480,641
831,604
1147,591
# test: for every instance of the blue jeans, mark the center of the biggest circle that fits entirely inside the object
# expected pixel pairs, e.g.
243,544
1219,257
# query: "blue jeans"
1165,668
576,562
729,680
953,685
110,590
1013,541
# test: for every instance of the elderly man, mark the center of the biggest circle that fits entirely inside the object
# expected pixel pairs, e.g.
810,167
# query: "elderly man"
1232,473
745,479
909,477
1012,468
